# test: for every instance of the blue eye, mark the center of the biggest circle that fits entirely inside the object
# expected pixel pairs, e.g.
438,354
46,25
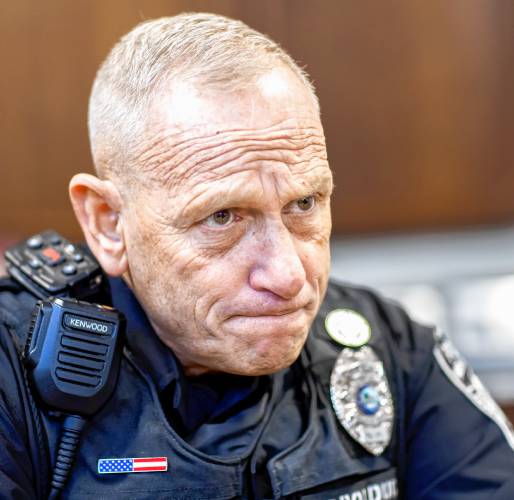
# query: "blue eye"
220,218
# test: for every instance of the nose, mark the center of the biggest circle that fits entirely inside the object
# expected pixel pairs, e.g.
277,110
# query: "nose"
278,267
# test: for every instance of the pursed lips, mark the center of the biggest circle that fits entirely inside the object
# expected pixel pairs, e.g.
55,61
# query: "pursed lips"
263,314
269,311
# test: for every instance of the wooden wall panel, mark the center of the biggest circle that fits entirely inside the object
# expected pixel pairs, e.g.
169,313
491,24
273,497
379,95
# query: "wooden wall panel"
416,96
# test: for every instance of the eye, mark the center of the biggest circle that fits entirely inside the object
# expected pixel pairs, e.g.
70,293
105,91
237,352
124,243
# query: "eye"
220,218
304,204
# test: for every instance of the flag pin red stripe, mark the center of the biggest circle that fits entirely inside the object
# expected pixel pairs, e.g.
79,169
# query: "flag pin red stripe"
151,459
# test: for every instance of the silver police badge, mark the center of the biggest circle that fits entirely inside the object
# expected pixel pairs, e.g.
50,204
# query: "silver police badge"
361,398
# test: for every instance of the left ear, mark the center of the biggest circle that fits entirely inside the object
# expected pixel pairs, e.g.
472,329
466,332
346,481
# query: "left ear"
97,204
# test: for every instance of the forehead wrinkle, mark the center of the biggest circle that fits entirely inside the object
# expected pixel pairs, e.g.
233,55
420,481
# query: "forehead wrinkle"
170,150
233,160
208,155
207,131
173,138
232,156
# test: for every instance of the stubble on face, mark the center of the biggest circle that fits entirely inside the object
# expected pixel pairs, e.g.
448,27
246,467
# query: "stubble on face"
239,296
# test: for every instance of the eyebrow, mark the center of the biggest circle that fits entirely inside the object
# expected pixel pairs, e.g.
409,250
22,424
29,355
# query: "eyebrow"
207,201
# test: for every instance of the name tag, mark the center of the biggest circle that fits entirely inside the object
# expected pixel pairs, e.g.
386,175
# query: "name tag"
382,486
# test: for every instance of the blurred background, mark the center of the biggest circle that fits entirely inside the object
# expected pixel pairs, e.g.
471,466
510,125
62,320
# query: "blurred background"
418,106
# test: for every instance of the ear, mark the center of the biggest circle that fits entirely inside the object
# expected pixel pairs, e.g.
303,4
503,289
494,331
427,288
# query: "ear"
97,205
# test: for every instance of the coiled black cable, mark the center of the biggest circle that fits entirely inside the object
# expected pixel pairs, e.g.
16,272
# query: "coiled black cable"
67,448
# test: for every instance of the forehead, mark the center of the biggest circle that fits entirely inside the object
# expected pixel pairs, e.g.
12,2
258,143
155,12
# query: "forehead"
201,137
277,93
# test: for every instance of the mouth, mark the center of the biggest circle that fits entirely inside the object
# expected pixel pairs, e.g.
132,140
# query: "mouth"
283,320
270,309
268,313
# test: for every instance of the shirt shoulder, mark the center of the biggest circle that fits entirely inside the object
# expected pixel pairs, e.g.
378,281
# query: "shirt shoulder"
16,306
445,419
22,449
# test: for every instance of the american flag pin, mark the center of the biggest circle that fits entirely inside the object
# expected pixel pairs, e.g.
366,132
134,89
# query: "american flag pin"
127,465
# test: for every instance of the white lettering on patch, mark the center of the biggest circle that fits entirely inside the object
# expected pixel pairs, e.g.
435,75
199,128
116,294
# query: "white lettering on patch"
463,377
383,490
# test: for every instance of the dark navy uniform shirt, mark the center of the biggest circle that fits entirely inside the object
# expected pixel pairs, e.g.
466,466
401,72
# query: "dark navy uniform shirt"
276,436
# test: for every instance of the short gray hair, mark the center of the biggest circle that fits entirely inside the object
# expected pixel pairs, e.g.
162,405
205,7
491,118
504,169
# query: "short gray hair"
199,48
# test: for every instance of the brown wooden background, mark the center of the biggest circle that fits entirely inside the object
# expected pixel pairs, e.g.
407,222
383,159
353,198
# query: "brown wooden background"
417,99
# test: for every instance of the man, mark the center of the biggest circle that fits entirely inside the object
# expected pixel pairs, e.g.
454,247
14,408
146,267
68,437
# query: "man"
244,370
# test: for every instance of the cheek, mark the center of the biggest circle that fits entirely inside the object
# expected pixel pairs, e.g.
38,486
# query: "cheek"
322,243
194,280
316,262
158,262
315,251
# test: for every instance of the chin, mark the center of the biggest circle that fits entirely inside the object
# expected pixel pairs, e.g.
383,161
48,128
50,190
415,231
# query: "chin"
269,370
271,361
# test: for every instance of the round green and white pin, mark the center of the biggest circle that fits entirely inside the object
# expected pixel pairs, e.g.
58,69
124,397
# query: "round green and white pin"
347,327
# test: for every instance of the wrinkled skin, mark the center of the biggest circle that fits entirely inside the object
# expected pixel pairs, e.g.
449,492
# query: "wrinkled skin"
227,237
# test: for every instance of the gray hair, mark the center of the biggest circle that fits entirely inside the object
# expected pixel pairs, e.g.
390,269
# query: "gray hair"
205,49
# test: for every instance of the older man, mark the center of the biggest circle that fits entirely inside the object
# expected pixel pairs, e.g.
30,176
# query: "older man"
210,214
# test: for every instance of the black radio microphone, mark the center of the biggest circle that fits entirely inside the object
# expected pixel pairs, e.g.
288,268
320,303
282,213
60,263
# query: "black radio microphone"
72,356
